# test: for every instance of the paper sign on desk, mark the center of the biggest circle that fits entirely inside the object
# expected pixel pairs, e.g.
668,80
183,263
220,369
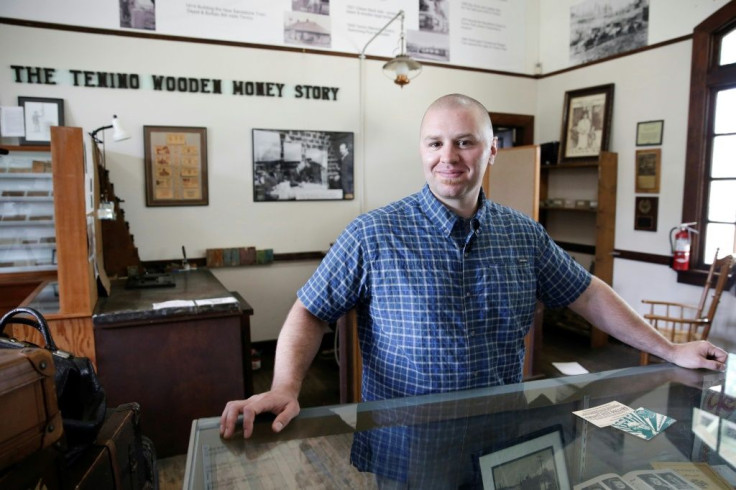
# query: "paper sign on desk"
174,303
604,415
215,301
570,368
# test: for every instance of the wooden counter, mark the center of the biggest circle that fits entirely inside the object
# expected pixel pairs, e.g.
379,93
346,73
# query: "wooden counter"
179,363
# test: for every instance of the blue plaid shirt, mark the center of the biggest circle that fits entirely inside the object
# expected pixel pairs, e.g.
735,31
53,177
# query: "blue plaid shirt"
443,303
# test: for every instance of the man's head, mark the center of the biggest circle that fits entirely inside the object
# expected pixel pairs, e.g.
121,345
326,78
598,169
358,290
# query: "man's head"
343,149
456,144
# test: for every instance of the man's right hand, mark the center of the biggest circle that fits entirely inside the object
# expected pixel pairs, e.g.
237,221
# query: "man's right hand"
284,405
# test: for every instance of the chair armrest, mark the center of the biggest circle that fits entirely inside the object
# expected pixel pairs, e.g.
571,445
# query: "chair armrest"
669,303
697,321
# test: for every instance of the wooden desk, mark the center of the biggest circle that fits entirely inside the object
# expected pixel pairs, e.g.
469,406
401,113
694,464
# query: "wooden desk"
178,363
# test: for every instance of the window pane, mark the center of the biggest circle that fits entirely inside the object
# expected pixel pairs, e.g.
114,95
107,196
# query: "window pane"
724,157
722,205
728,48
726,111
718,236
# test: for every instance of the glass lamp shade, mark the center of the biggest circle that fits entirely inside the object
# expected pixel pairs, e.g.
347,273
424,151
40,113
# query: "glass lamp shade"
402,69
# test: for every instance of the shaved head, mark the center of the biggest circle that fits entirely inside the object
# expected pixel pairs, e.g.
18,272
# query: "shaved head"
460,101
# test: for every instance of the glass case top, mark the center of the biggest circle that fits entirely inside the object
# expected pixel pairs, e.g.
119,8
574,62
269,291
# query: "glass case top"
653,423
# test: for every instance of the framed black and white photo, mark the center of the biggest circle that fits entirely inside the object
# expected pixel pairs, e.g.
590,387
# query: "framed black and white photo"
536,460
301,165
586,123
39,114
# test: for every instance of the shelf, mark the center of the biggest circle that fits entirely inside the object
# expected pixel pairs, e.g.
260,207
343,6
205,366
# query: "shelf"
25,175
25,223
566,166
29,246
563,208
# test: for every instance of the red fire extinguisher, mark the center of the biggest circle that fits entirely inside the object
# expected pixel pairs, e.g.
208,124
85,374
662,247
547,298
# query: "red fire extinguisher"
680,241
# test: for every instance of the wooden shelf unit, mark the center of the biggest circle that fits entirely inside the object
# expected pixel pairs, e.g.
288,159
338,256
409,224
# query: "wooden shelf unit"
595,228
71,325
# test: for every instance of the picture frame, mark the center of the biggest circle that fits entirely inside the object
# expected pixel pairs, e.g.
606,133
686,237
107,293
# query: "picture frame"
175,159
648,170
586,123
536,458
302,165
39,114
649,133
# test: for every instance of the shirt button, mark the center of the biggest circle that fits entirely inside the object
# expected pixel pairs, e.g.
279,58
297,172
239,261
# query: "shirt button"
467,295
467,254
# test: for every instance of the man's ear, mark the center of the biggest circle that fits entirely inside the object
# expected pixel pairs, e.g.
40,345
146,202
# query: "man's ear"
494,150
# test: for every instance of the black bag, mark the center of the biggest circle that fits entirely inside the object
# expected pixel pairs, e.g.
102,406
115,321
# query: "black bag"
80,396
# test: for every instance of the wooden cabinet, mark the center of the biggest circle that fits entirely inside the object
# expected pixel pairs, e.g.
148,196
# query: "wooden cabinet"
73,283
578,209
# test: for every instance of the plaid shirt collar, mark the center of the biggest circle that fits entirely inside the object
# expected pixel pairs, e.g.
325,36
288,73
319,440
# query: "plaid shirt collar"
443,217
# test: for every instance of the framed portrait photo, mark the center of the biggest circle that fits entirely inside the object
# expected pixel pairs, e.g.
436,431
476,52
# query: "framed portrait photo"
537,460
586,123
175,165
39,114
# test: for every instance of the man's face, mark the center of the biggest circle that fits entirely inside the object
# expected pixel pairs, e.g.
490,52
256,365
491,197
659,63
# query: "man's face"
343,149
456,145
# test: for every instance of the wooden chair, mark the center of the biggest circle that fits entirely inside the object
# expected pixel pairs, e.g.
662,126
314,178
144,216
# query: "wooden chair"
682,322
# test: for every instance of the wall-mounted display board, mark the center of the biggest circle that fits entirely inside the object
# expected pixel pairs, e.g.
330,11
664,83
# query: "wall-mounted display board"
487,34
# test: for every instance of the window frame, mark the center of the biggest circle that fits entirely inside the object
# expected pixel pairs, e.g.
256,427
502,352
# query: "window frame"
706,78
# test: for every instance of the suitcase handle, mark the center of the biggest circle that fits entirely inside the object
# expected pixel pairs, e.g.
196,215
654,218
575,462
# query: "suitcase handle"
39,323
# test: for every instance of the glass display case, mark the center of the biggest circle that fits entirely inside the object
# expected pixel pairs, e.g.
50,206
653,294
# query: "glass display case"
525,435
27,233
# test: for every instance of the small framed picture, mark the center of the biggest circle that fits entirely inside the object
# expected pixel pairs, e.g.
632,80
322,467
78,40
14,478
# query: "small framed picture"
648,170
586,123
176,165
649,133
39,114
536,460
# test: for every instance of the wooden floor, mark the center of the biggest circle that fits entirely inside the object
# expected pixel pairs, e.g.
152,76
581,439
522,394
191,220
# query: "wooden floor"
321,387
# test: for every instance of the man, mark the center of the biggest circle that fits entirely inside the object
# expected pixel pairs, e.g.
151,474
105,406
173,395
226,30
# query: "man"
444,283
346,170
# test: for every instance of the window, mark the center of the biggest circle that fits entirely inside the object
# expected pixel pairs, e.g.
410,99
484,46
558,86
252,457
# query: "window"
710,171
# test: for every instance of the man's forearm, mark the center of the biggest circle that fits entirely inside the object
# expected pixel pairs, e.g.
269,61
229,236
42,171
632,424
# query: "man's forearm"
605,309
297,345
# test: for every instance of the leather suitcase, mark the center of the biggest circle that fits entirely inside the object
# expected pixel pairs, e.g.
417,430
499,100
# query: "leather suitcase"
30,419
121,458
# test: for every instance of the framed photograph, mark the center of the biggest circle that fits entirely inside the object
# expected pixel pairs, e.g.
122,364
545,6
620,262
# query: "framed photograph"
39,114
586,123
298,165
176,165
648,170
649,133
536,461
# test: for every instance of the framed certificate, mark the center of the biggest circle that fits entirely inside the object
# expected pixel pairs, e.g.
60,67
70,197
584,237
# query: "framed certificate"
649,133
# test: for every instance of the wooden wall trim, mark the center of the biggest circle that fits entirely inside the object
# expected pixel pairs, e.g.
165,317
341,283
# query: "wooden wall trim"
642,257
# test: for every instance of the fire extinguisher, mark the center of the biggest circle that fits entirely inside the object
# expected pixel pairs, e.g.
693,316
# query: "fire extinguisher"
680,241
